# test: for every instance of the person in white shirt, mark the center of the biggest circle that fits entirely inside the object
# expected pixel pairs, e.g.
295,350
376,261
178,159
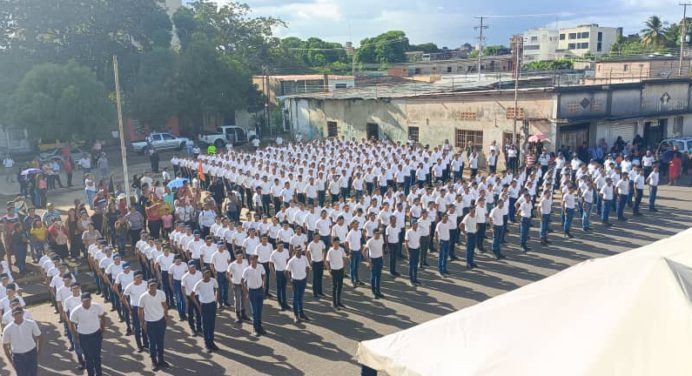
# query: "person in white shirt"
639,184
412,241
424,226
335,264
277,264
153,314
253,284
88,321
623,191
568,205
545,206
131,294
219,264
393,244
22,343
188,281
175,275
587,197
442,236
652,180
206,291
297,269
497,219
315,254
352,243
234,273
524,207
375,251
607,193
469,225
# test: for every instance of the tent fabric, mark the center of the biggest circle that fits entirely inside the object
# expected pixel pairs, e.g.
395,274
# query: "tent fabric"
627,314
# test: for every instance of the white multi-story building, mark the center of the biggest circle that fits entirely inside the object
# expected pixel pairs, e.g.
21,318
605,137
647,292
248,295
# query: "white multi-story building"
587,39
541,44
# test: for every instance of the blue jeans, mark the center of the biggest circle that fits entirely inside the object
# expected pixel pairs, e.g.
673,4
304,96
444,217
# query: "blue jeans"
156,331
376,274
585,224
179,298
605,210
413,256
497,239
444,253
281,288
140,337
524,230
256,302
355,263
208,323
653,190
545,223
569,215
223,288
298,293
470,247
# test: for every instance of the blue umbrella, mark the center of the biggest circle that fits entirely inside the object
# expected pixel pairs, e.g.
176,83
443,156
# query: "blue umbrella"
177,183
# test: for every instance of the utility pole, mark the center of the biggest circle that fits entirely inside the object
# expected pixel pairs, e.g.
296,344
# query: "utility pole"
683,31
480,29
121,130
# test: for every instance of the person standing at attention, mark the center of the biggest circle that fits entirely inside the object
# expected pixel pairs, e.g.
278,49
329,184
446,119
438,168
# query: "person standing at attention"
254,279
90,321
22,342
412,240
335,264
297,269
206,292
469,225
153,313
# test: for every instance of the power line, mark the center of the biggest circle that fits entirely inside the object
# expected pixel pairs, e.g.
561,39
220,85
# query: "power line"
480,29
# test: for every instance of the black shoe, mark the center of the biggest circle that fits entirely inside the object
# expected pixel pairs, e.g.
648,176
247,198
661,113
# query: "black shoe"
183,318
296,320
322,295
375,296
335,307
156,368
129,332
526,249
268,295
210,350
238,321
256,334
165,364
141,349
342,306
304,317
262,331
653,210
381,295
501,257
245,317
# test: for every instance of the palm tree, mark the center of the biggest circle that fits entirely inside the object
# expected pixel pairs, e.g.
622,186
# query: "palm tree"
654,32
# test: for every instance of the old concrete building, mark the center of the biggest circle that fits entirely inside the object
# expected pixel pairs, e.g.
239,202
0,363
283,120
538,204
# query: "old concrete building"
568,115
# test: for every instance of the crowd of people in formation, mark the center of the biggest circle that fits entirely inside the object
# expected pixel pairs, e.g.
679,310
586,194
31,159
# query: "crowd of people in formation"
322,207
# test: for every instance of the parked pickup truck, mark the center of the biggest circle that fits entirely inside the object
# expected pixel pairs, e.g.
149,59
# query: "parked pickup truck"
160,141
228,134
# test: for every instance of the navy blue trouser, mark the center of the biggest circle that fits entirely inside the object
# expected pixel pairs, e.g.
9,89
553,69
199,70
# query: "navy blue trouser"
26,363
208,322
413,255
298,292
91,344
156,331
317,274
140,337
376,275
281,288
223,287
256,302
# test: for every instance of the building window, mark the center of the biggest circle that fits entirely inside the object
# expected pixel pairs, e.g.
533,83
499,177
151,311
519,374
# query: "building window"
599,47
341,86
572,46
572,35
414,134
678,125
562,36
449,69
507,138
534,39
469,116
600,36
463,136
416,71
625,68
510,113
584,35
332,129
16,134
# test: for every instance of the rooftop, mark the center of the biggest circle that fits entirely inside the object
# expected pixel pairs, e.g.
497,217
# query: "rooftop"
306,77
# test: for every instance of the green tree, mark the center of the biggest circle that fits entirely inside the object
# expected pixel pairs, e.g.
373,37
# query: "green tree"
389,47
58,101
152,99
427,48
654,31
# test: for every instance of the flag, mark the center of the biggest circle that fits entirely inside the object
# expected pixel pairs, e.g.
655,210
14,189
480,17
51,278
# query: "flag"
200,171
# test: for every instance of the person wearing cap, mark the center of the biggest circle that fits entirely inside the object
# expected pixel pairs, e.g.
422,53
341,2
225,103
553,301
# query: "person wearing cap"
161,264
22,343
297,269
121,280
176,271
412,241
277,264
193,248
375,252
219,264
68,305
7,316
206,294
253,278
130,299
188,281
11,294
89,323
153,313
234,273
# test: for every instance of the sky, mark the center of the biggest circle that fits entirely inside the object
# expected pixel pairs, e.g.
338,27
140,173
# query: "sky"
451,23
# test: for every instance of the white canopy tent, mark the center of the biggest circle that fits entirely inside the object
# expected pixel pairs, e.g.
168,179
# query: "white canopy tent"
628,314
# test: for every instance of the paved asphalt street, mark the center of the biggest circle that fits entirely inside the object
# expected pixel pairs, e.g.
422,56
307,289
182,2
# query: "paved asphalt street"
328,343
